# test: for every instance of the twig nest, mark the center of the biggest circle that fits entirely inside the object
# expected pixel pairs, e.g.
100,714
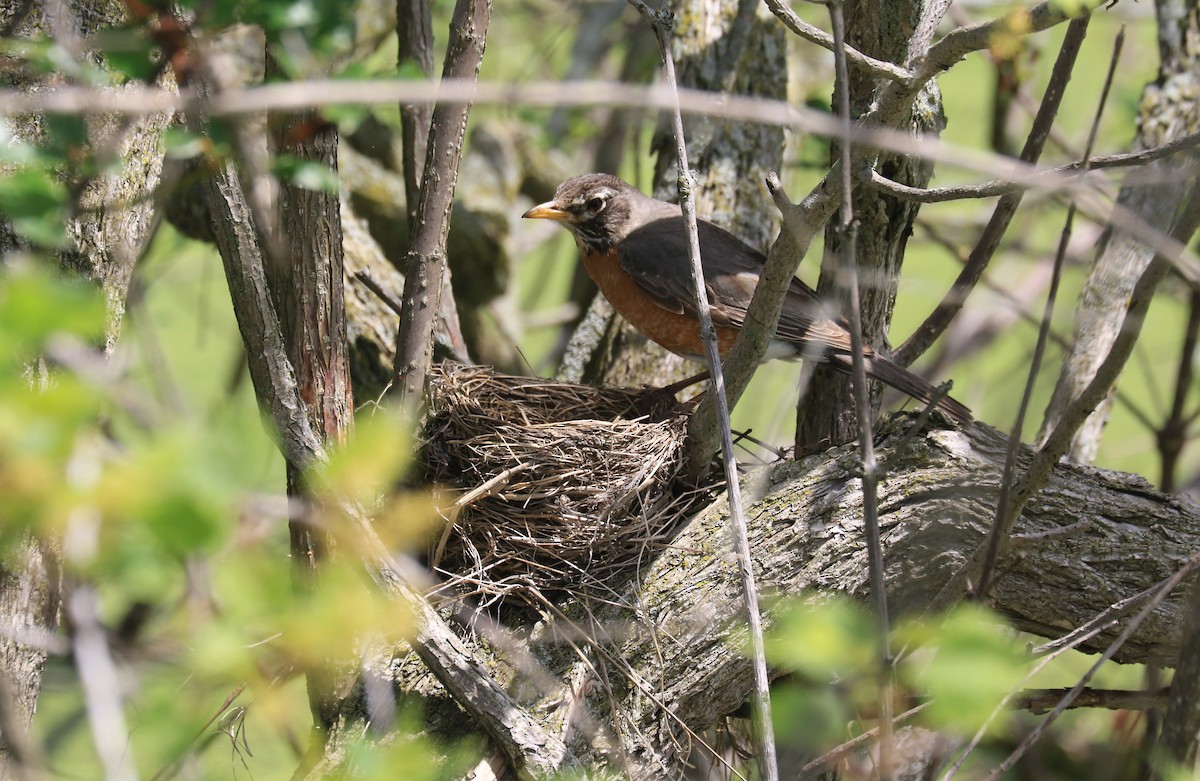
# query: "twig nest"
558,486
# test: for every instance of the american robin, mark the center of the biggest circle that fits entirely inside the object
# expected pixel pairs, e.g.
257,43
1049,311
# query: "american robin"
635,248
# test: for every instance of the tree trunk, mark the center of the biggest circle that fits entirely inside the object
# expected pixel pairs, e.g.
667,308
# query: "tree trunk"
29,601
890,31
306,282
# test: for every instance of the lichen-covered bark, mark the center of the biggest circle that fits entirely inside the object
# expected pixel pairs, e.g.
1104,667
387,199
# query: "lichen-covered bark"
730,48
884,30
1092,539
29,606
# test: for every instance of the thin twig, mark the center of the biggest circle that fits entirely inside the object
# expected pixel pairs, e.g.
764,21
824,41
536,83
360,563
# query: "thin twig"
765,732
390,301
1058,177
1173,433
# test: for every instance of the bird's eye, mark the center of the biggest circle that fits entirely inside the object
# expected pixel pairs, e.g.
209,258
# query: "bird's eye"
594,205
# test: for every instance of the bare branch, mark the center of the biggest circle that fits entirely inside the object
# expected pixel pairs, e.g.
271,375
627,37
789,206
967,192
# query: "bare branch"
879,68
1046,179
1039,701
426,271
847,274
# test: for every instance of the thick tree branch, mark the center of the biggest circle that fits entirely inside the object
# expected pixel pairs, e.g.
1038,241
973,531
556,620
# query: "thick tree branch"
426,268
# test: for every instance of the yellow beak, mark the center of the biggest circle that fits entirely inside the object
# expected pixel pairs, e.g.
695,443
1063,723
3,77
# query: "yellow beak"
546,211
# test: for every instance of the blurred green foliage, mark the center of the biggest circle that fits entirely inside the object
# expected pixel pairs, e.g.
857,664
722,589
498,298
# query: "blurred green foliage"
164,520
956,670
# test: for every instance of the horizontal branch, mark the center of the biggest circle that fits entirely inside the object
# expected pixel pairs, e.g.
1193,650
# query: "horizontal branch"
1030,177
297,95
1039,701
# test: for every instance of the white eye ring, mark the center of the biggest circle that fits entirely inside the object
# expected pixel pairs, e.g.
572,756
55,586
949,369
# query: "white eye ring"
595,204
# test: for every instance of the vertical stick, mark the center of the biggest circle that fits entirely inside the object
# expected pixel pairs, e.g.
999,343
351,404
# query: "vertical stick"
661,22
1076,30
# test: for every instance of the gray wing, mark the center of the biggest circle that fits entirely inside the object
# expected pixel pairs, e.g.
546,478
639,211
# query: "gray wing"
655,256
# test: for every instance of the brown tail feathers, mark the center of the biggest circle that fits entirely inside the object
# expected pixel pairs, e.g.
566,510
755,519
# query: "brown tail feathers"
905,381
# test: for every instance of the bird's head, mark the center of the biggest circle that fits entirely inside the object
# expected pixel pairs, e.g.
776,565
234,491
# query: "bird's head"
594,207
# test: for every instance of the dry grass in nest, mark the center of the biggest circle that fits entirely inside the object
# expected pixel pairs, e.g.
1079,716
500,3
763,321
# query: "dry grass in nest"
562,486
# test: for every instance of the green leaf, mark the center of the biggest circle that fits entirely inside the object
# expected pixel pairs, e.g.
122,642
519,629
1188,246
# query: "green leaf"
809,719
37,302
129,52
186,522
13,150
965,664
371,462
183,144
66,135
346,117
35,201
823,640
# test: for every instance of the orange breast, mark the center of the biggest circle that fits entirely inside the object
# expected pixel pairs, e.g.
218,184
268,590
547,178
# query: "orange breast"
676,332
